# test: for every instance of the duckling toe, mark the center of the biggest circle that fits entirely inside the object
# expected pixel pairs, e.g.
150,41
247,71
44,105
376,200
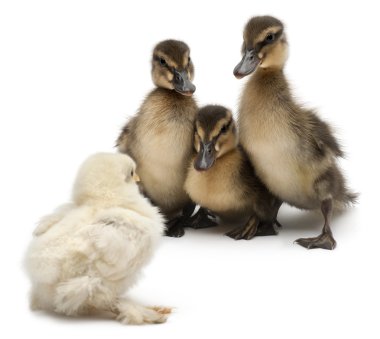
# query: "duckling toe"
243,232
252,229
236,233
324,241
175,228
175,232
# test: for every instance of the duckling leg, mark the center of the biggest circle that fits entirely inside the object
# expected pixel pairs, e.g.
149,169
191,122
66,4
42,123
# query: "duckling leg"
247,232
267,228
202,219
325,239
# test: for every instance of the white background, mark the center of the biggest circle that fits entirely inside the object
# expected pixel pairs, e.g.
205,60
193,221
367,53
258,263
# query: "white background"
72,72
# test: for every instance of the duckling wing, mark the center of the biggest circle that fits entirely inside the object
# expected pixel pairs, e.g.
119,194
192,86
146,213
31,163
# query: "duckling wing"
126,135
316,135
323,135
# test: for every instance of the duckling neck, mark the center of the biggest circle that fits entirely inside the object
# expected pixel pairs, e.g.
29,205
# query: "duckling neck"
177,107
228,157
271,82
172,94
265,96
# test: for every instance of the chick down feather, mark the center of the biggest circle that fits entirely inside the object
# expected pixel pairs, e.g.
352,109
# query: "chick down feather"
87,254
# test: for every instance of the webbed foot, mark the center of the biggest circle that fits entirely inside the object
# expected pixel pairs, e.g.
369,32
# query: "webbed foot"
246,232
324,240
175,228
251,229
242,232
202,219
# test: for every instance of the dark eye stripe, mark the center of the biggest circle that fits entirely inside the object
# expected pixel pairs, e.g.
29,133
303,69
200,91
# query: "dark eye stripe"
263,43
228,125
159,59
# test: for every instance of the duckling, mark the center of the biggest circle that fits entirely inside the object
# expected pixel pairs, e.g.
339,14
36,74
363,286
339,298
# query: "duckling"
88,253
293,151
222,179
159,136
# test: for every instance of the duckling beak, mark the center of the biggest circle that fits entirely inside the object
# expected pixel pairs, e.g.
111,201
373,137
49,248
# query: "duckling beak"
182,83
247,65
205,157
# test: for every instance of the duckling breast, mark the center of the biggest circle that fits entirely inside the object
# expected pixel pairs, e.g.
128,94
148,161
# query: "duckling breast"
164,150
220,188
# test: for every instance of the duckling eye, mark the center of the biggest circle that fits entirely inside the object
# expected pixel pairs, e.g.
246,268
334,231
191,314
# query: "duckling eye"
162,61
189,60
269,38
132,173
224,129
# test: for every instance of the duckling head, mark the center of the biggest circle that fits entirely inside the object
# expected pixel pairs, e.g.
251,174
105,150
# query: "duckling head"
106,179
215,135
172,67
264,46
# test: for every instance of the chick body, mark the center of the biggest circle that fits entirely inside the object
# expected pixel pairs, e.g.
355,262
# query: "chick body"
86,255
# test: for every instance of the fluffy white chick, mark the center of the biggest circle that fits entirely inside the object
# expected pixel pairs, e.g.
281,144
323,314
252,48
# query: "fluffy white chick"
86,255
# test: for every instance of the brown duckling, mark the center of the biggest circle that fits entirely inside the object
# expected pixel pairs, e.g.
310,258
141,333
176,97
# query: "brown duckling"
159,136
222,179
293,151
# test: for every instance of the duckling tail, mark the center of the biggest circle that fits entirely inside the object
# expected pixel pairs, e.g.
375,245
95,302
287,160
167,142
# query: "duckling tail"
351,198
346,200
